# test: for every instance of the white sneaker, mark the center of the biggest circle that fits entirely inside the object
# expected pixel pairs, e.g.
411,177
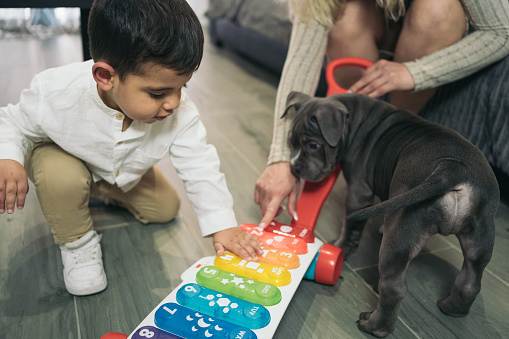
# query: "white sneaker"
83,265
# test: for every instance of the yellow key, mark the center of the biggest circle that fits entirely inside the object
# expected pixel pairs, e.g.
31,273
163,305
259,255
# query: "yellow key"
276,275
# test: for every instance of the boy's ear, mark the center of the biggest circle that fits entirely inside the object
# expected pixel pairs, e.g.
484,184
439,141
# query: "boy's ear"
104,75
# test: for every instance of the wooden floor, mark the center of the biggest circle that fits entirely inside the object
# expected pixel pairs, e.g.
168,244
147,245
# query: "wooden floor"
144,263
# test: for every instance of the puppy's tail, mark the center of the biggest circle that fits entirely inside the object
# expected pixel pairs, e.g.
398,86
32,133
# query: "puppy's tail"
438,183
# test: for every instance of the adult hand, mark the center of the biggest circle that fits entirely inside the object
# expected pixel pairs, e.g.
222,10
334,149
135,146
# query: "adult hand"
238,242
382,77
275,184
13,186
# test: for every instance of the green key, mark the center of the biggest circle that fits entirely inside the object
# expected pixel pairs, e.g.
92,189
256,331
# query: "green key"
238,286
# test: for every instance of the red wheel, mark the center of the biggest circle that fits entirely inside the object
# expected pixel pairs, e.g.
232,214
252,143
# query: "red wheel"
329,264
114,335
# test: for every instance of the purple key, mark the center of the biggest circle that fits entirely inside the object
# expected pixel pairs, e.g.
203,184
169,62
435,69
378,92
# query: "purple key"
151,332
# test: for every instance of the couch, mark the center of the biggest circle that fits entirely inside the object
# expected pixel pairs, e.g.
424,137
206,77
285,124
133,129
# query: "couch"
258,29
477,106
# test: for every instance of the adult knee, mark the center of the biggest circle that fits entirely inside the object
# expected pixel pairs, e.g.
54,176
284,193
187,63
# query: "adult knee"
436,23
360,22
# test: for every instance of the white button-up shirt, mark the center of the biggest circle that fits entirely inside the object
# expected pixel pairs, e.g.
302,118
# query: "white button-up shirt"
62,105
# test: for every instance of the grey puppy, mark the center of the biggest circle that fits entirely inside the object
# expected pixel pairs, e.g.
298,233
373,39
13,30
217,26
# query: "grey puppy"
429,178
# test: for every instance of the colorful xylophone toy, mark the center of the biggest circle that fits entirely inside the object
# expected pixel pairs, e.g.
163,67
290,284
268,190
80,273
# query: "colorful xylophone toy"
228,297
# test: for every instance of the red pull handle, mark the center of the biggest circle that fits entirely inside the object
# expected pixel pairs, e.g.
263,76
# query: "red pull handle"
312,198
333,87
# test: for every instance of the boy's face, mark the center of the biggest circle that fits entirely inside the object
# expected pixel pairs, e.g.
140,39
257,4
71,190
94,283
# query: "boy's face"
149,96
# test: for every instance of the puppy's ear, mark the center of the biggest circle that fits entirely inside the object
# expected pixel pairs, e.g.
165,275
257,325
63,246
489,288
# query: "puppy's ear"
332,123
293,101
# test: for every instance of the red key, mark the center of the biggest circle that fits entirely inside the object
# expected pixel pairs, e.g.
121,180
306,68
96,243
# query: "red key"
277,241
283,229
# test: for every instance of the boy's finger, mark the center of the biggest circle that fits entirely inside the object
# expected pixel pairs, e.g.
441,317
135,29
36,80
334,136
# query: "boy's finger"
10,198
21,197
247,253
256,244
219,248
2,197
251,250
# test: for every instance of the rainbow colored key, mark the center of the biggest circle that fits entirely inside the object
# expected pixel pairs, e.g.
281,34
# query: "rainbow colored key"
276,241
153,333
223,306
258,292
286,259
188,323
290,231
276,275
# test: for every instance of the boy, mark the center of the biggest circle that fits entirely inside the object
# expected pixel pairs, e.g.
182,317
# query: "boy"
99,127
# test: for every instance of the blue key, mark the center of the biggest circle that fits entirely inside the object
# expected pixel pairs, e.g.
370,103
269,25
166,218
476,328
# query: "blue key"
223,306
152,332
188,323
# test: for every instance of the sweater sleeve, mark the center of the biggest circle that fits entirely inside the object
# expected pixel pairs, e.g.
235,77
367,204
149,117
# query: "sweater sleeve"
488,43
301,72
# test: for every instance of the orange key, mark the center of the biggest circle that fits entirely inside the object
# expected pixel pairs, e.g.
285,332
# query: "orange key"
286,259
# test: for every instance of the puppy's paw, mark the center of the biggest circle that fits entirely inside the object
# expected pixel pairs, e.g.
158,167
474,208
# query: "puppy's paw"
367,324
364,316
445,305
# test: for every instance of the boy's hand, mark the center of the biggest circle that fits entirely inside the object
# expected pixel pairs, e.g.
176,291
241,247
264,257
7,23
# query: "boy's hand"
239,242
13,186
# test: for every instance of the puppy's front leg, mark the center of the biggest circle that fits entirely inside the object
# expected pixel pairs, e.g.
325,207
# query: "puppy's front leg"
351,233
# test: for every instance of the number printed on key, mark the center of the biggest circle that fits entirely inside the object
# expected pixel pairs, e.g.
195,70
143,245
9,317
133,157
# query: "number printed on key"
287,259
151,332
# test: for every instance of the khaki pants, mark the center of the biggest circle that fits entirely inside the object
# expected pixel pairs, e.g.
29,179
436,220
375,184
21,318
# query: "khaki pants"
64,186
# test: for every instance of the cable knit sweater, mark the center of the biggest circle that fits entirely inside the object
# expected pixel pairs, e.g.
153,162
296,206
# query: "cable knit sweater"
489,42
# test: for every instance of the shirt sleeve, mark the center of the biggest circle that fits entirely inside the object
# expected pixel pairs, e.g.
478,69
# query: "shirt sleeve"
197,165
301,72
489,42
19,129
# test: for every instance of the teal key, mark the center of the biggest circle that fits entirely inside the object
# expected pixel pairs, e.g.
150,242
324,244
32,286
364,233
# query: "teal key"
223,306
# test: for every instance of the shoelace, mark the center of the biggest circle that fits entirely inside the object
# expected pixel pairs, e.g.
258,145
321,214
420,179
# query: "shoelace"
84,256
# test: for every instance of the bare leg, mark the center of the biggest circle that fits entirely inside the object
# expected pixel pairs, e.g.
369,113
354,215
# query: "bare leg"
428,26
355,34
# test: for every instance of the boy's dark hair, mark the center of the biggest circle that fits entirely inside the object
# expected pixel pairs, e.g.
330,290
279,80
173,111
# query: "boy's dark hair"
129,33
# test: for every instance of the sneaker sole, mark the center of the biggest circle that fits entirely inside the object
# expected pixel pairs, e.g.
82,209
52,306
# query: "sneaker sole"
87,291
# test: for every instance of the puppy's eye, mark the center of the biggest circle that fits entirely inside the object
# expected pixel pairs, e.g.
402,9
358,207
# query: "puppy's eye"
313,146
